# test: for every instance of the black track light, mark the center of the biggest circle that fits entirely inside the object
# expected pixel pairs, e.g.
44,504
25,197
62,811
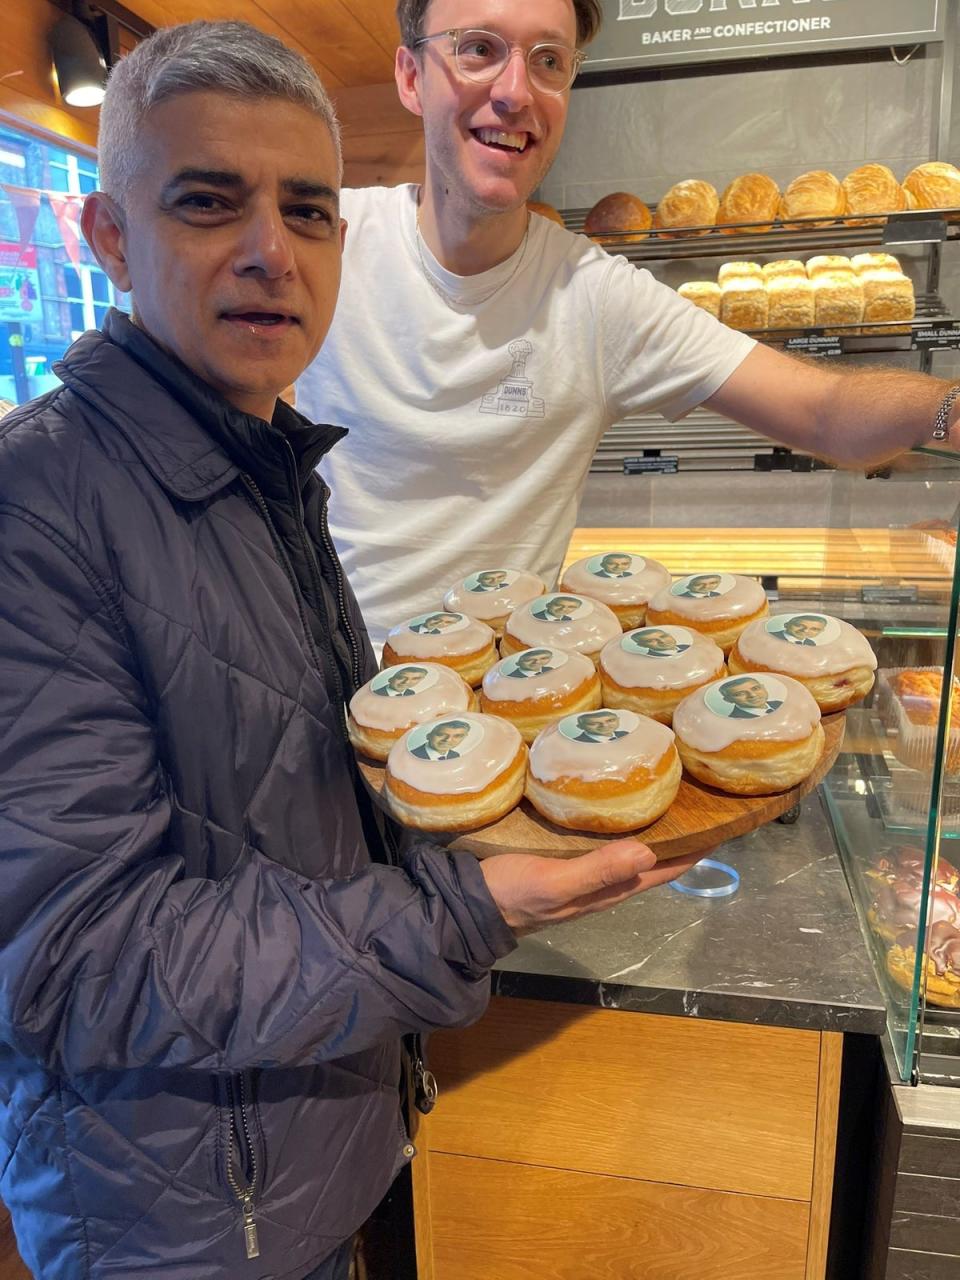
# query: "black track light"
79,64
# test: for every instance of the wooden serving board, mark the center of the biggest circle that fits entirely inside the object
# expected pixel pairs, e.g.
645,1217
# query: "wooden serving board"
698,820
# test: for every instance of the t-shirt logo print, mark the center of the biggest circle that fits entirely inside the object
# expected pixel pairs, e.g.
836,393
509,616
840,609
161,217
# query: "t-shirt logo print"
514,396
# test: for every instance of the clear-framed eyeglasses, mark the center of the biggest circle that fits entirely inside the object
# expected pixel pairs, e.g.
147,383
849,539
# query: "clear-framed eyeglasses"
482,56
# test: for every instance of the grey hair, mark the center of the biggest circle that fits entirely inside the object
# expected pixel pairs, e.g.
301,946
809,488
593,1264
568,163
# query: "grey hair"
222,57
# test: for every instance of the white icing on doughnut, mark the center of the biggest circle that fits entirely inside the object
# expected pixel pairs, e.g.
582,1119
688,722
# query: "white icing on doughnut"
837,646
646,578
474,767
518,587
744,596
554,755
585,629
564,673
696,659
696,724
439,691
466,635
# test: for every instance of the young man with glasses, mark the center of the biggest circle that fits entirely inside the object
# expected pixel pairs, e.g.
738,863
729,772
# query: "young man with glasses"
479,352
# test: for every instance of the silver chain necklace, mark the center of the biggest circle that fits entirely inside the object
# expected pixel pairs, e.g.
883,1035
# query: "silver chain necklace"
473,302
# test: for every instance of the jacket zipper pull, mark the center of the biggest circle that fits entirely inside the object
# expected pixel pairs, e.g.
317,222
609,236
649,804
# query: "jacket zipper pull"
250,1230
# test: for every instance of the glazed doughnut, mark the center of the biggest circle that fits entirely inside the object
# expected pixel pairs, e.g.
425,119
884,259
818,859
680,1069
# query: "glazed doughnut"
651,669
534,687
400,697
455,773
826,655
603,771
445,636
718,605
751,735
560,620
491,595
623,581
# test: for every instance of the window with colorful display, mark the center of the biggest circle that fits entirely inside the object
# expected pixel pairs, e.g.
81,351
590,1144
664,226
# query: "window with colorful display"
51,288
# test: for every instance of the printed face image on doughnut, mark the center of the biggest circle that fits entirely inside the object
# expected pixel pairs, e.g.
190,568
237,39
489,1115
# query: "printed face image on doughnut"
803,628
745,697
703,586
561,608
439,623
533,662
444,739
489,580
403,682
615,564
598,726
657,642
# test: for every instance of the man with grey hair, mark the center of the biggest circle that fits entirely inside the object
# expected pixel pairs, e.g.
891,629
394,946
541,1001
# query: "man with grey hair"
209,946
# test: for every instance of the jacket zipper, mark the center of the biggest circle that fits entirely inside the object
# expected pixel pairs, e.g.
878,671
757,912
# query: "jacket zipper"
243,1191
341,594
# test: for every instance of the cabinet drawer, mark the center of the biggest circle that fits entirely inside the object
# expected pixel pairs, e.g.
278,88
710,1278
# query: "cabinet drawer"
497,1221
702,1104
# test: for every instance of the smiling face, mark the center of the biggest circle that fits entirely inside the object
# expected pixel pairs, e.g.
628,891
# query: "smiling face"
804,628
705,583
408,678
446,738
495,578
230,240
602,724
441,621
746,693
658,641
561,606
533,662
489,144
615,564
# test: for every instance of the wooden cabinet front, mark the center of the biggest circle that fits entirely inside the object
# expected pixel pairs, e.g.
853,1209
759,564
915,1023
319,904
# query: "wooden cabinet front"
571,1142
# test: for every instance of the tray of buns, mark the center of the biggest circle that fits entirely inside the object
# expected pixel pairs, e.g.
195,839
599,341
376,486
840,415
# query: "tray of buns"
700,818
512,718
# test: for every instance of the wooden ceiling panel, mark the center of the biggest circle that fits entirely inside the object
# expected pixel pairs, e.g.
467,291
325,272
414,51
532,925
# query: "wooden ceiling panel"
350,42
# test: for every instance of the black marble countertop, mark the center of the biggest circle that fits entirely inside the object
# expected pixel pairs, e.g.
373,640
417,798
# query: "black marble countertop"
785,950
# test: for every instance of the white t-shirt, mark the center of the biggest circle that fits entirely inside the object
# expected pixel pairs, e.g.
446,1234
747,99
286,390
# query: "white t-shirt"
475,404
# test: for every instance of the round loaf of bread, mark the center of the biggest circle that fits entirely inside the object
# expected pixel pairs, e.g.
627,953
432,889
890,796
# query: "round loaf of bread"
811,195
546,211
620,214
872,188
935,185
691,203
752,198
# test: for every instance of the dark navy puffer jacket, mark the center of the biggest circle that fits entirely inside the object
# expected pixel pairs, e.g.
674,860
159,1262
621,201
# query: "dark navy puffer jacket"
203,974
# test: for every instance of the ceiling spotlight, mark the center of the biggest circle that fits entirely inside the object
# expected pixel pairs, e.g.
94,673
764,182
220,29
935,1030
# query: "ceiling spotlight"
79,64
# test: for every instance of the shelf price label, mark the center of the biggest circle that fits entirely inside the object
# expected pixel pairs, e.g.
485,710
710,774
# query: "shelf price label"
815,344
936,336
666,465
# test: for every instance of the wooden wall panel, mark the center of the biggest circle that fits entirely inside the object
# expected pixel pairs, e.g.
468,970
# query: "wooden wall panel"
382,141
704,1104
498,1221
27,88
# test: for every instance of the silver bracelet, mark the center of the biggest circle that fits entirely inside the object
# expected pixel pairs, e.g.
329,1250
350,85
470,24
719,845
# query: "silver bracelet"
940,424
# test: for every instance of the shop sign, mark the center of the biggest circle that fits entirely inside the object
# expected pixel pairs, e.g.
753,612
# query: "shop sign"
19,284
652,33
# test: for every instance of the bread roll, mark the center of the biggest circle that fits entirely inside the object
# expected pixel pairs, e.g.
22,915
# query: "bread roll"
935,185
546,211
619,214
691,203
872,189
828,262
739,271
703,294
911,200
873,261
743,302
783,267
753,197
812,194
838,297
790,301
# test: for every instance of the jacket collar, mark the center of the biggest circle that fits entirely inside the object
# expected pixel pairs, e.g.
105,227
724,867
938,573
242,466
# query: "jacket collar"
192,440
